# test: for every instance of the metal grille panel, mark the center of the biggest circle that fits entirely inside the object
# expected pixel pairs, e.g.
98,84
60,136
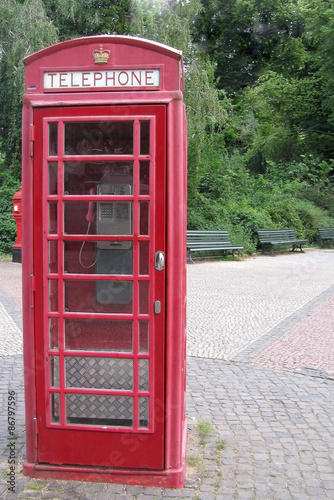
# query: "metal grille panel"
99,373
95,407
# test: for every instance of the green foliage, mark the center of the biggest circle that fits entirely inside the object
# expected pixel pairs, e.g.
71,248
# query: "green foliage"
205,113
26,30
171,22
8,187
221,445
242,36
165,21
203,428
232,198
75,18
259,101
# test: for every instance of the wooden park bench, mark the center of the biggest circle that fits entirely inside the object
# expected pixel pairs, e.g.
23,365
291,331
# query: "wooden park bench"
326,235
269,238
203,241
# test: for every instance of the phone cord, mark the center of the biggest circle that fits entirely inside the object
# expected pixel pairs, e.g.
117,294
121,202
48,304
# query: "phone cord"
81,250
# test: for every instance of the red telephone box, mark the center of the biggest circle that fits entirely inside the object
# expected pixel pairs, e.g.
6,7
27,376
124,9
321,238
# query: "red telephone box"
104,258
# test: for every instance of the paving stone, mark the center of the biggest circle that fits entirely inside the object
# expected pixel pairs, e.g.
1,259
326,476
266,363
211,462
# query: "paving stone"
273,404
315,492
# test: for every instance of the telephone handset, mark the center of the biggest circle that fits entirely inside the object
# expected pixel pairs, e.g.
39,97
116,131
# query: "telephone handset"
90,215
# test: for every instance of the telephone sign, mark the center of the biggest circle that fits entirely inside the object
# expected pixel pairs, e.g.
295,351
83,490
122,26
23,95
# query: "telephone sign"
104,211
101,79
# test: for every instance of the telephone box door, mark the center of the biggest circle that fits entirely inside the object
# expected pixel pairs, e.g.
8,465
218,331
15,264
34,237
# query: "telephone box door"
99,237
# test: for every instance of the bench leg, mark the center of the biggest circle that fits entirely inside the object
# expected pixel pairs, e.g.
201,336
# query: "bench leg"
297,246
189,259
327,243
268,249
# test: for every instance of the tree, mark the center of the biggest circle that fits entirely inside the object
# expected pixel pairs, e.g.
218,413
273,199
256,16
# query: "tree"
286,114
319,37
75,18
24,29
243,36
171,22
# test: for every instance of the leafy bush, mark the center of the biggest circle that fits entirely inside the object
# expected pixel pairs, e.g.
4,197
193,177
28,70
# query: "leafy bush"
323,198
8,187
311,217
204,213
231,198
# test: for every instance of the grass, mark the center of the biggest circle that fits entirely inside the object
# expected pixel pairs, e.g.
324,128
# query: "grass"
5,257
221,445
194,461
35,486
203,429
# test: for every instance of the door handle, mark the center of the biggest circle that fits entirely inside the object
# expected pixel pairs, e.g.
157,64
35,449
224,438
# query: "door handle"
159,261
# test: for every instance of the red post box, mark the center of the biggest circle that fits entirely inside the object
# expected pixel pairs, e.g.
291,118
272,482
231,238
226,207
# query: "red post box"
104,259
17,214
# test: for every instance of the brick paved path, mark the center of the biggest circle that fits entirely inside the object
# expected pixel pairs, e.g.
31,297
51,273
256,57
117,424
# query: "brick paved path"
260,375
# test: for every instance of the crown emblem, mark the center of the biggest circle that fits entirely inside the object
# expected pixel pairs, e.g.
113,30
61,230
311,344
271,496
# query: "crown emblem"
101,56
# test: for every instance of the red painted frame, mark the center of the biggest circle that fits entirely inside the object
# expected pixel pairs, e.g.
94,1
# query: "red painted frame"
170,95
63,441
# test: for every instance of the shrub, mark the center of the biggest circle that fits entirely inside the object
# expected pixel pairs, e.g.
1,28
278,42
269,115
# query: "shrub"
8,187
205,213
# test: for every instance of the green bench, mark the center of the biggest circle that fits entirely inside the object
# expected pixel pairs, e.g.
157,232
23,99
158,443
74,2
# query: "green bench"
204,241
326,235
270,238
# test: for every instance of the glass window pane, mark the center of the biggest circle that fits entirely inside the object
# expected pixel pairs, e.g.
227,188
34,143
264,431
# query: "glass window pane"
53,295
114,261
105,218
143,297
145,138
53,178
53,139
144,257
53,256
99,335
85,257
143,413
144,169
53,333
53,217
99,373
93,409
55,407
144,212
54,371
114,292
82,178
143,336
107,296
97,138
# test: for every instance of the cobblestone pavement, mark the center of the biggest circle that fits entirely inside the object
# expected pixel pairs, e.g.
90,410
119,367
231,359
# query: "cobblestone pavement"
260,398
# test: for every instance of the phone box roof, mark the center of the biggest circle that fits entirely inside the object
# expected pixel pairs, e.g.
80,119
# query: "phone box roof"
104,63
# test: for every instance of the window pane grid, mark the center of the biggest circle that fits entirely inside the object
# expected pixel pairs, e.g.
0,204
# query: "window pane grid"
135,402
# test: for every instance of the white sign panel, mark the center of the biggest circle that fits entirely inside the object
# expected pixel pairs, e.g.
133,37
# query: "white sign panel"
58,80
